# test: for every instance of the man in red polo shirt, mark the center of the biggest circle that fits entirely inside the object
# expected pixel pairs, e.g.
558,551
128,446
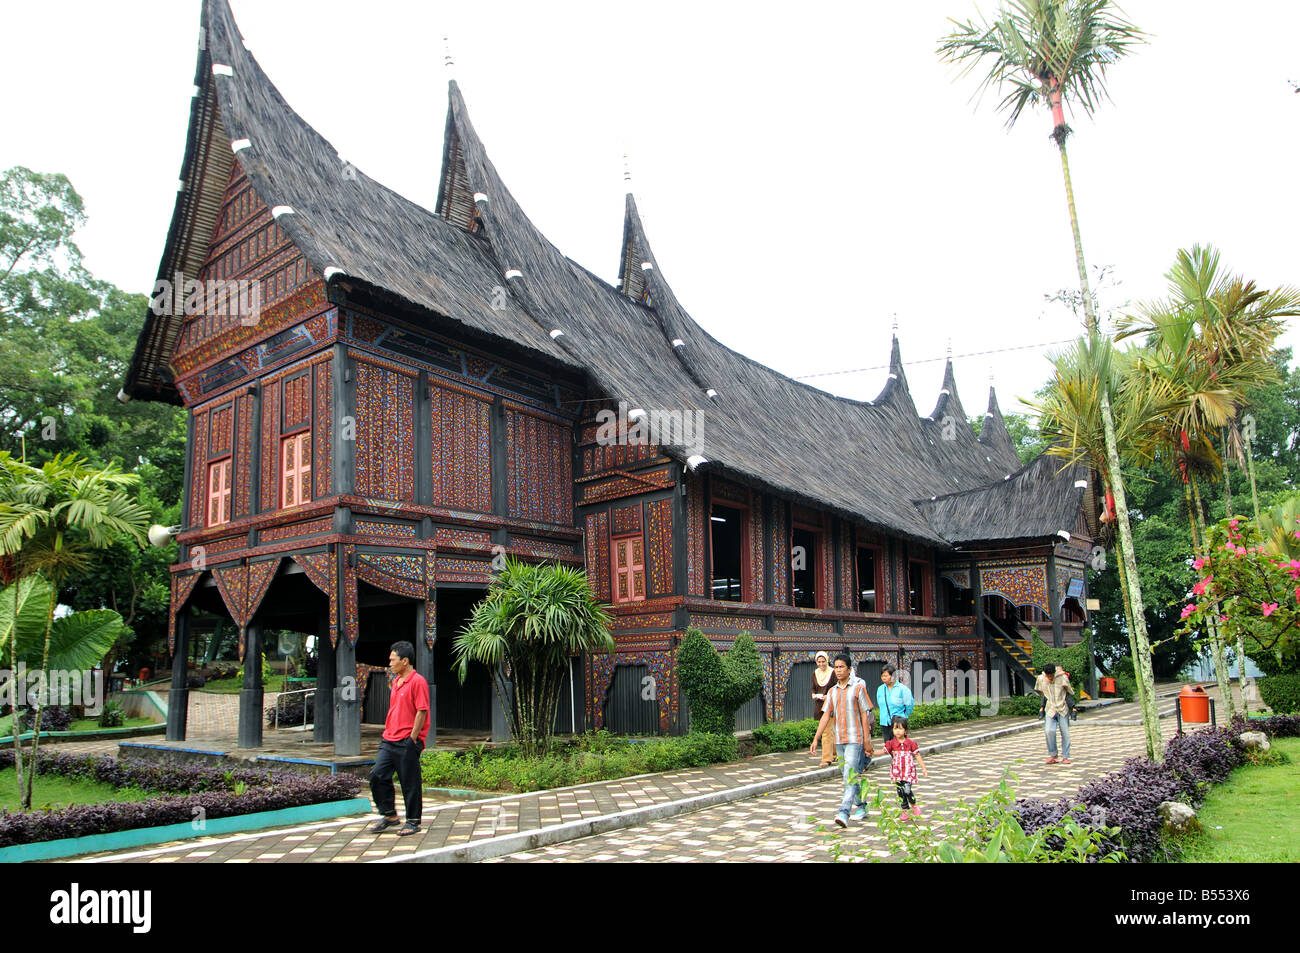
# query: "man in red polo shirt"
405,729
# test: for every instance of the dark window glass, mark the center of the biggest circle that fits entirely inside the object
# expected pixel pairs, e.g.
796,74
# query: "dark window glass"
867,580
803,568
727,560
916,588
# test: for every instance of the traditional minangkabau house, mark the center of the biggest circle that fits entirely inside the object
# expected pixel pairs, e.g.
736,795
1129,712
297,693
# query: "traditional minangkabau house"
420,392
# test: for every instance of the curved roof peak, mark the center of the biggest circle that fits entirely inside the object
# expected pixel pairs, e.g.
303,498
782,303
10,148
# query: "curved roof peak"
896,393
949,404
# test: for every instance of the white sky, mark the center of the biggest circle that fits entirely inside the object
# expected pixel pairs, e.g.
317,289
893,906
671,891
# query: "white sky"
804,172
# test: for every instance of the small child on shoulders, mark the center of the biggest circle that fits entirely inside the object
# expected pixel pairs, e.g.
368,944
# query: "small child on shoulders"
906,755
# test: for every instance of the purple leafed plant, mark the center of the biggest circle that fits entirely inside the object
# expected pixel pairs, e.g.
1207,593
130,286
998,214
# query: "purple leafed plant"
182,788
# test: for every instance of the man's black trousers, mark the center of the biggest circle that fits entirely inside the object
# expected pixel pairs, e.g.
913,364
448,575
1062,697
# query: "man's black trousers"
404,758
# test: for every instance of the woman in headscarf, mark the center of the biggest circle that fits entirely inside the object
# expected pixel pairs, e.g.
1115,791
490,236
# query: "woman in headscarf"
823,677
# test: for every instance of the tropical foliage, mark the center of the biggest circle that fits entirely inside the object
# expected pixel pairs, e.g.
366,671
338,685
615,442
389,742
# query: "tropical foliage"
533,620
52,519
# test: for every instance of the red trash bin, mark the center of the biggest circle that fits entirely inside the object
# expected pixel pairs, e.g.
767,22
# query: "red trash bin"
1108,686
1195,705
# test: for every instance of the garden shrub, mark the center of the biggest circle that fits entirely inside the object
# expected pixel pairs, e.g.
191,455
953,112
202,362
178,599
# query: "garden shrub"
1131,798
717,685
1204,757
112,715
1020,704
1275,726
1126,687
1281,693
221,793
927,716
55,718
291,709
785,735
596,756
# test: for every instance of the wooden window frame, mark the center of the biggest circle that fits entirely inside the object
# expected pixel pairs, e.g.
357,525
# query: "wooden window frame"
746,578
631,571
223,495
302,439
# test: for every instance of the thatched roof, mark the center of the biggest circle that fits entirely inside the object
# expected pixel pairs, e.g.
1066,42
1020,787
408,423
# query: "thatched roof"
867,460
1037,501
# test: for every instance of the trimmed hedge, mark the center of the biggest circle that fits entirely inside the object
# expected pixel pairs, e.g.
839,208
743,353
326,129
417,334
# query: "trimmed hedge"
1074,659
597,756
1281,693
1015,705
717,685
223,794
785,735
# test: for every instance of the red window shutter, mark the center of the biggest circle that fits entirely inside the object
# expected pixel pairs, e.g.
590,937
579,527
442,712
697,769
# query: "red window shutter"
295,469
628,558
219,493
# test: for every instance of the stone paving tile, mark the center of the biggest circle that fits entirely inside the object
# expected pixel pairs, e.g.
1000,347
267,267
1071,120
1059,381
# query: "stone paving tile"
797,825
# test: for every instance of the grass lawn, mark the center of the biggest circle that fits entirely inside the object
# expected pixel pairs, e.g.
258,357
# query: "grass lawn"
56,791
229,686
1258,812
78,724
92,724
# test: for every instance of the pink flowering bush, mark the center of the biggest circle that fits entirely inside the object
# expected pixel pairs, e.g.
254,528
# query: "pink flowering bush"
1253,590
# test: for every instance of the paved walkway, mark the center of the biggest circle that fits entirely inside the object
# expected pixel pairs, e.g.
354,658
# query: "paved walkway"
458,823
212,716
797,825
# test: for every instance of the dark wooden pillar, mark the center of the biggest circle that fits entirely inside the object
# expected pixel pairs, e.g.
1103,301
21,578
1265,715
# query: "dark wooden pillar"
977,594
347,699
250,696
323,727
423,441
424,664
178,699
498,448
1054,602
344,398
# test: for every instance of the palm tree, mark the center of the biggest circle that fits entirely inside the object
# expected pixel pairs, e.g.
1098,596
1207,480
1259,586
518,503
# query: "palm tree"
1069,416
1207,344
51,518
533,620
1050,53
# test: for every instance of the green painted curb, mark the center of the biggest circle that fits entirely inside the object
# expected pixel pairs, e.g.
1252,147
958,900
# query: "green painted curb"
144,836
97,734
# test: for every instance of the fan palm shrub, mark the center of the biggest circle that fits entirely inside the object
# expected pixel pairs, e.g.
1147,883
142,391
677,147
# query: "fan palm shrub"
533,620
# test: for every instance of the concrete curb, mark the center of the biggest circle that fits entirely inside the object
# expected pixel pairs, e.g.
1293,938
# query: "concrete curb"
573,830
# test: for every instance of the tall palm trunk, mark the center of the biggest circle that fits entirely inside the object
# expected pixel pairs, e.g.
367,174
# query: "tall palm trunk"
1221,673
40,704
1142,658
1227,506
1132,638
13,708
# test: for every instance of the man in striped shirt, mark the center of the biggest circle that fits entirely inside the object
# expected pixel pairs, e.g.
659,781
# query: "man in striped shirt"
847,703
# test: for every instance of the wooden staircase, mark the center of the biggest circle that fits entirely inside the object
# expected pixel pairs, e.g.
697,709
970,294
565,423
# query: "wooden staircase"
1020,651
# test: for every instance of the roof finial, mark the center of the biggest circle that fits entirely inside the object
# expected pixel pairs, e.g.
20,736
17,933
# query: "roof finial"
893,325
447,60
949,349
627,173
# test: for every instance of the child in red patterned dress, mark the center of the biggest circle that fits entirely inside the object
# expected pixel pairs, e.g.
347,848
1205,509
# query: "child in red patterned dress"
906,756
